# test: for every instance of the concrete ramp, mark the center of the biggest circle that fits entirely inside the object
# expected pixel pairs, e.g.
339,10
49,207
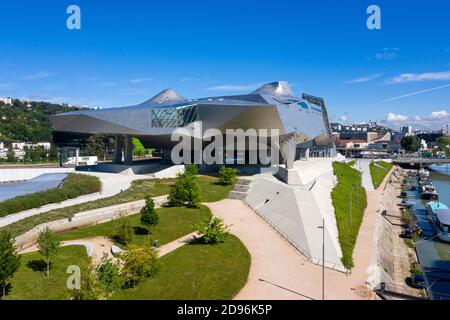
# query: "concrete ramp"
297,213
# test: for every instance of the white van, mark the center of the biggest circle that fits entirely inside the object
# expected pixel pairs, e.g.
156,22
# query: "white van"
87,161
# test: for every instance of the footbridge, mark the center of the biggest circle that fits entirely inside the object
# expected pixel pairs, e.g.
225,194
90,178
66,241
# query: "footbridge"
419,162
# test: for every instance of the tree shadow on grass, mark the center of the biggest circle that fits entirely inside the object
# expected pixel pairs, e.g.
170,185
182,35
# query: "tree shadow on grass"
140,231
38,265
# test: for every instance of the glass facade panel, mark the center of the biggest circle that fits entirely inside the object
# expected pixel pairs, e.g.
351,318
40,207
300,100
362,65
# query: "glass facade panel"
173,117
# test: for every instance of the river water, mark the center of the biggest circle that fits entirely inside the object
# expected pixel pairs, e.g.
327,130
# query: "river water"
434,255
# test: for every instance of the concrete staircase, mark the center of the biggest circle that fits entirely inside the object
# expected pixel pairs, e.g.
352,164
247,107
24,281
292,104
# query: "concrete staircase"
240,189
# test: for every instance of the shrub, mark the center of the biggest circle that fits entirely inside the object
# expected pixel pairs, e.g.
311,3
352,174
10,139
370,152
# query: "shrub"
72,187
192,169
185,191
227,176
214,231
109,277
139,262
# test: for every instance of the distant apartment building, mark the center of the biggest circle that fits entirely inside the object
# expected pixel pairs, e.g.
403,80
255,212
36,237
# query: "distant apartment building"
406,129
21,146
7,100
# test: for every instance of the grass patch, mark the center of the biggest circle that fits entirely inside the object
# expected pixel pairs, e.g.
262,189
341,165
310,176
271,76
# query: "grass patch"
137,191
349,182
31,283
173,224
196,272
210,191
73,186
379,170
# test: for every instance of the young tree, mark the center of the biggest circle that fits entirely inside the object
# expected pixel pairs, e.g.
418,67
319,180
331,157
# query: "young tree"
95,146
214,230
139,262
9,260
108,274
149,216
48,244
227,176
90,286
185,191
138,148
10,155
124,231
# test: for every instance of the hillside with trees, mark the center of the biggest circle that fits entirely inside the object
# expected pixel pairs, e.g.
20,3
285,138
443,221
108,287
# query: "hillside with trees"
29,121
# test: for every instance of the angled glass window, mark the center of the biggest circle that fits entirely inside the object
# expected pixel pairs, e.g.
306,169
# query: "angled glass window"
173,117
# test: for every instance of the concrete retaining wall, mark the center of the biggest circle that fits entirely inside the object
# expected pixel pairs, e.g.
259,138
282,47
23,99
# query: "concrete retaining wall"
84,219
21,174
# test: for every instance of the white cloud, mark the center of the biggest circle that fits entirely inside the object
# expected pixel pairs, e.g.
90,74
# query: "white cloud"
417,92
235,87
392,117
139,80
343,118
439,114
366,78
133,91
37,75
387,54
419,77
434,121
107,84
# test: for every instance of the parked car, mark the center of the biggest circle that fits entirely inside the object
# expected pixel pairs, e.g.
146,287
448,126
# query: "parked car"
406,234
416,281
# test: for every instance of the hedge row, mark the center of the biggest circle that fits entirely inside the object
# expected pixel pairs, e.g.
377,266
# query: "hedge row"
73,186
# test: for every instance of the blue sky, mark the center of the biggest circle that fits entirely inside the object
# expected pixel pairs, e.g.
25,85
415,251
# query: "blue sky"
127,51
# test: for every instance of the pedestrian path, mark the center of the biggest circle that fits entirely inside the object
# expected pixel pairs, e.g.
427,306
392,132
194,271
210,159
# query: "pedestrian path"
363,166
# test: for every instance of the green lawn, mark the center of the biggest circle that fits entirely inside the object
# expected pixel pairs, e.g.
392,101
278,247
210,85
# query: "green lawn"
29,284
349,182
210,192
173,224
196,271
378,171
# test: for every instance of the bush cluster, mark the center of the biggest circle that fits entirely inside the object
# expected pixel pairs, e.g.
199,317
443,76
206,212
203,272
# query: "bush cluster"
73,186
227,176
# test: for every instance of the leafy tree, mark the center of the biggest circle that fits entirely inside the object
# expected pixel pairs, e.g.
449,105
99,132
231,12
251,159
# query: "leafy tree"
10,155
48,244
108,274
411,143
192,169
124,232
149,216
90,286
139,262
214,231
95,146
9,260
138,148
227,176
185,191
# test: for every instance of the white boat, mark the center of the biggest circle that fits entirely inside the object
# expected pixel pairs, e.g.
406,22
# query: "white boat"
424,173
441,218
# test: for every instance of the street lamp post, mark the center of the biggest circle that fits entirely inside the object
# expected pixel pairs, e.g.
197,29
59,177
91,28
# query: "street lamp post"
323,258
